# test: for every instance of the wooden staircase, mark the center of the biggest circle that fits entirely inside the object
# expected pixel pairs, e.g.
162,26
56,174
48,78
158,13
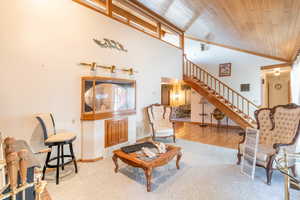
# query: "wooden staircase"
233,104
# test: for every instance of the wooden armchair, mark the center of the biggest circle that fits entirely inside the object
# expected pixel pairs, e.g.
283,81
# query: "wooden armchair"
159,119
279,129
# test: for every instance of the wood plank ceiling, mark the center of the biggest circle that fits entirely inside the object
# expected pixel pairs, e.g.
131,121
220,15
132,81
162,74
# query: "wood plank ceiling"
270,27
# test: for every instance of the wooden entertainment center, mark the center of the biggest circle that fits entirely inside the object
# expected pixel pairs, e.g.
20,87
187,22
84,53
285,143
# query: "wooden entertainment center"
111,100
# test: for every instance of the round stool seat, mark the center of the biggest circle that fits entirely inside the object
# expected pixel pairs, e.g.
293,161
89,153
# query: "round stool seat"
64,137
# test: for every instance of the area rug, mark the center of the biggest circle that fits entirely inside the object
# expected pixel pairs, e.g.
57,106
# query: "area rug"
207,173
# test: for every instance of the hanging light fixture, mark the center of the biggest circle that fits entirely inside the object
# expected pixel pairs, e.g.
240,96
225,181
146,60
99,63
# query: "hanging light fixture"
277,71
177,95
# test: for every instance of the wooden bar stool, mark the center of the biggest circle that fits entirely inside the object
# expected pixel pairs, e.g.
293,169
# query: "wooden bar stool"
52,139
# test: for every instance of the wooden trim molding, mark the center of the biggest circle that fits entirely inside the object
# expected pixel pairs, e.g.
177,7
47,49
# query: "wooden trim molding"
282,65
237,49
90,160
104,115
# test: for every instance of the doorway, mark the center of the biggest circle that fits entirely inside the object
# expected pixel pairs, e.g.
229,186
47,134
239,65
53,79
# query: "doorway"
276,87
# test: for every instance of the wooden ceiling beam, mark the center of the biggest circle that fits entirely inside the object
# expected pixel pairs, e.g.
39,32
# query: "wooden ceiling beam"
191,22
238,49
282,65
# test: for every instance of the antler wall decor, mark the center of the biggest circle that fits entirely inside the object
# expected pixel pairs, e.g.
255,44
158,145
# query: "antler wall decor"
112,68
107,43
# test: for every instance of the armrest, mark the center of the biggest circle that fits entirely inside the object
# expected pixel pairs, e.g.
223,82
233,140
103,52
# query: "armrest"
278,146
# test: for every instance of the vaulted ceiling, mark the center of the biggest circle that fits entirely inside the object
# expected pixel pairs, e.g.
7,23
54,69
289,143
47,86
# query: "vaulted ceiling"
270,27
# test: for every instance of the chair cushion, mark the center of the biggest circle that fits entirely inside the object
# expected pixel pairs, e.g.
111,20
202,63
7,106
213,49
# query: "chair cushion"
263,153
164,128
61,137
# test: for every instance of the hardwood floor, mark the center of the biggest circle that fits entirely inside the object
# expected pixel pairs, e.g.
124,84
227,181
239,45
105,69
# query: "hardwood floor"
225,137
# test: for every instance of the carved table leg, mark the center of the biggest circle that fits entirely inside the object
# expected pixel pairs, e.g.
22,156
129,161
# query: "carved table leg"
178,159
148,173
115,159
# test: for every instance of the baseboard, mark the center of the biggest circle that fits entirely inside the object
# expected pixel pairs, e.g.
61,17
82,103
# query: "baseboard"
90,160
216,125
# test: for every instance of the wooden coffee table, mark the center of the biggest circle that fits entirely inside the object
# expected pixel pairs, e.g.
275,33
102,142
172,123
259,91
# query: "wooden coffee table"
148,166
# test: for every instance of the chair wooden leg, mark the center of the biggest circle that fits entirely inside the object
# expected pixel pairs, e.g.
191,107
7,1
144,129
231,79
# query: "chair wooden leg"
239,157
57,167
73,157
269,173
174,138
269,169
62,157
46,163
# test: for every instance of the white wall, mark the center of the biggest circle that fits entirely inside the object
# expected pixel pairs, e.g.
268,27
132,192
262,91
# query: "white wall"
295,82
245,67
42,41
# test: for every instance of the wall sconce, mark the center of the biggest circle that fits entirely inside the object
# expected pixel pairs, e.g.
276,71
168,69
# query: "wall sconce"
112,69
130,71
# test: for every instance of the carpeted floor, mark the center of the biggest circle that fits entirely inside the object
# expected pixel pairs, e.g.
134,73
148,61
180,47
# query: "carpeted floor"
207,172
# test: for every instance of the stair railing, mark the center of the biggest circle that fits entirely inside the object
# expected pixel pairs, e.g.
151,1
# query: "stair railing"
233,98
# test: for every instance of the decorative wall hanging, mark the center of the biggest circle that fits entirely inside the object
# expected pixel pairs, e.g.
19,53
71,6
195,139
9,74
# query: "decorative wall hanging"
278,86
112,69
107,43
245,87
225,69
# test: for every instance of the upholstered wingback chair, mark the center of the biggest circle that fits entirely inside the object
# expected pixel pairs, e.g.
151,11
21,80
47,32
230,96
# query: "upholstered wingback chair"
159,119
278,130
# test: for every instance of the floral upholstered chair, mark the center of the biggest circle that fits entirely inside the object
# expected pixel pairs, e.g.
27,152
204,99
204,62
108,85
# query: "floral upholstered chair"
279,129
159,118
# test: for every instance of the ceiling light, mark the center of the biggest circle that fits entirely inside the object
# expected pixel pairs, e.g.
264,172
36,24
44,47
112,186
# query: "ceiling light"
277,71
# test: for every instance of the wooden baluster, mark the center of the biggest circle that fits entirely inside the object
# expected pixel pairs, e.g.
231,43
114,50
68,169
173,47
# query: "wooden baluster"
227,94
207,78
215,84
23,165
12,169
243,105
238,102
23,168
193,70
9,142
190,69
232,98
248,108
39,188
183,72
201,75
219,88
211,83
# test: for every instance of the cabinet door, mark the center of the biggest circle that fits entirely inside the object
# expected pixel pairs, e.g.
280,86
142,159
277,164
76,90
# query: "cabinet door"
116,131
123,130
111,133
